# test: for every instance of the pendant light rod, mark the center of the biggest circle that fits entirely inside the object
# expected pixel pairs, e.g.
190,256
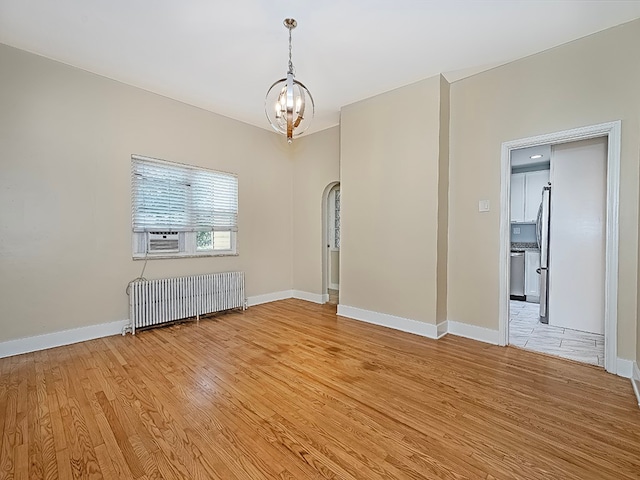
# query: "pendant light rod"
290,23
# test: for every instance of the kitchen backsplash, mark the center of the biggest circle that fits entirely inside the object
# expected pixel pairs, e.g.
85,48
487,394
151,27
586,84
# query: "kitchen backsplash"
523,232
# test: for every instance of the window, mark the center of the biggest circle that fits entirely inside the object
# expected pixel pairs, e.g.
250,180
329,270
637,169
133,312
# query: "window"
333,232
336,230
180,210
207,241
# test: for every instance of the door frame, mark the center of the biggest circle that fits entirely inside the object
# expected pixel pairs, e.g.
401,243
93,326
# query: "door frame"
331,217
611,130
325,232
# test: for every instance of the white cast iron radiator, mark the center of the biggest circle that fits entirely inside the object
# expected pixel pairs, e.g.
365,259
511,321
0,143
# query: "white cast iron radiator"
152,302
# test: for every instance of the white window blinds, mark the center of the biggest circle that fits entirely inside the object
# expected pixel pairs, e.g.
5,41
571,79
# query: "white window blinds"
173,197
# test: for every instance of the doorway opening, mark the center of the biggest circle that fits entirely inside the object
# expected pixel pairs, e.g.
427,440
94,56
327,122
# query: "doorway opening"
331,242
556,297
557,249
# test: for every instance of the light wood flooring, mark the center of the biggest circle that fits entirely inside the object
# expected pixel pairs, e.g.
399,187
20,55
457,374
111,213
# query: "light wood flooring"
288,390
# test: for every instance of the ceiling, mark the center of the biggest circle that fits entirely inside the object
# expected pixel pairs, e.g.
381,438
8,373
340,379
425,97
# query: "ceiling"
522,157
223,56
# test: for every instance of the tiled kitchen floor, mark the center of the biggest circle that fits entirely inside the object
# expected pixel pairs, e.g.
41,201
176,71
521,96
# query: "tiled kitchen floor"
333,296
526,331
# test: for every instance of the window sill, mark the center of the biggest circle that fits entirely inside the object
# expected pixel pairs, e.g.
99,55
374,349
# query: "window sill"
155,256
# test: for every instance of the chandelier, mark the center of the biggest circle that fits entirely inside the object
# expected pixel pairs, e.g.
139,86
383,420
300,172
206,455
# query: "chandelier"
289,104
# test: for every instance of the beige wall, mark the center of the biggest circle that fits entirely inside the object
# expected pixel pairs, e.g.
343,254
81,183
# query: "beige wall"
316,166
390,154
586,82
66,137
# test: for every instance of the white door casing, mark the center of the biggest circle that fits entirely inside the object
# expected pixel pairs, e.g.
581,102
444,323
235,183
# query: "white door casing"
323,241
333,238
612,131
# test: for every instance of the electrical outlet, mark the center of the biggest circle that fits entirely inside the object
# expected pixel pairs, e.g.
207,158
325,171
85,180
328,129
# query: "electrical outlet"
516,230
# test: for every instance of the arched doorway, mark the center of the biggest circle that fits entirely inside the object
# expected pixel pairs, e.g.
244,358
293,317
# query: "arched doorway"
331,243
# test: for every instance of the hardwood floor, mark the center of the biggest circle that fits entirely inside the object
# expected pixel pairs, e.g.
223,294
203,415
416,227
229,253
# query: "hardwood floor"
288,390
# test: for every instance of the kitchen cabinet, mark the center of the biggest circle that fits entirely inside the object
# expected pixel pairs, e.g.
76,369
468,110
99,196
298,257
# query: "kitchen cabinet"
534,182
526,193
517,197
531,276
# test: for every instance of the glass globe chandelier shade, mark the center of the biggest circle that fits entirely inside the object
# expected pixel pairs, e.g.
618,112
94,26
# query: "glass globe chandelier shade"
288,104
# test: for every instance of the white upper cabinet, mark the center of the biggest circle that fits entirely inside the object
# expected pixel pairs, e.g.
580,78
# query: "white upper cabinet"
517,197
534,182
526,194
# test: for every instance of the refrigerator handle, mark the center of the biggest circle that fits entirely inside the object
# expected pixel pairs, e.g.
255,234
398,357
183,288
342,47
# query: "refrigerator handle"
539,222
545,208
544,295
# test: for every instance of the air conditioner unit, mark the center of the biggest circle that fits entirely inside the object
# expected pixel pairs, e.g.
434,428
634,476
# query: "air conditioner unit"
163,242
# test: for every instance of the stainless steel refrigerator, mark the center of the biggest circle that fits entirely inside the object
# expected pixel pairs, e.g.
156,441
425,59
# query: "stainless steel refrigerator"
542,233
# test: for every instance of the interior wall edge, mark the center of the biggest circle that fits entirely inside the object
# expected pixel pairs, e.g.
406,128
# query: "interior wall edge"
635,381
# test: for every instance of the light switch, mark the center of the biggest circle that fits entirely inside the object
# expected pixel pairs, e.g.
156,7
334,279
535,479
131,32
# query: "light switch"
483,206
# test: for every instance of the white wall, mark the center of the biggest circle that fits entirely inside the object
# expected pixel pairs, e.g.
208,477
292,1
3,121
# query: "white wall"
66,137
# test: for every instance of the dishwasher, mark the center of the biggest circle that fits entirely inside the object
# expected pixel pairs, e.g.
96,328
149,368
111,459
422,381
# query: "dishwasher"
516,290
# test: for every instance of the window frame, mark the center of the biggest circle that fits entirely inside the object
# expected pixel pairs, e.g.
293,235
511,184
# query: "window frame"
187,238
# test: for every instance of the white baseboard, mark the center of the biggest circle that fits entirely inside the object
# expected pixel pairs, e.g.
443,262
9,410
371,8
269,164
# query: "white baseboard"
624,368
269,297
283,295
81,334
442,328
473,332
635,381
57,339
309,297
409,325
